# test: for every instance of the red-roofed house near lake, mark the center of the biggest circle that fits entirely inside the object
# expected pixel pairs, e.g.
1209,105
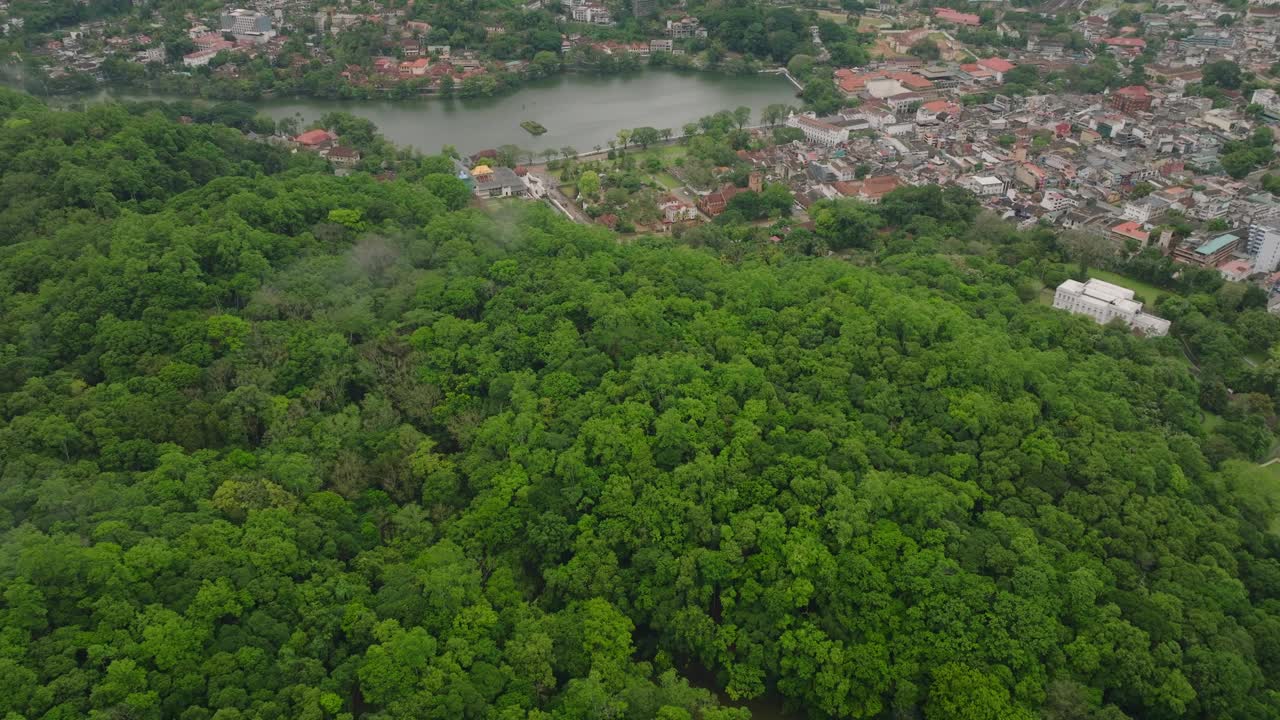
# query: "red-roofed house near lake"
316,139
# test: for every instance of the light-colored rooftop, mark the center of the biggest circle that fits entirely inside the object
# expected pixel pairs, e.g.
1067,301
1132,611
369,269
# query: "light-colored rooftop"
1216,244
1107,291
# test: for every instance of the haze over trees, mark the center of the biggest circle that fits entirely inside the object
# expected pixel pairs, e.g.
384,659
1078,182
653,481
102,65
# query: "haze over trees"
280,444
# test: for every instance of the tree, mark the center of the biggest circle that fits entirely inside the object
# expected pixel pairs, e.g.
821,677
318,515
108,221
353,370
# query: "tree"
800,66
775,114
645,136
925,49
1088,249
742,116
588,184
1221,73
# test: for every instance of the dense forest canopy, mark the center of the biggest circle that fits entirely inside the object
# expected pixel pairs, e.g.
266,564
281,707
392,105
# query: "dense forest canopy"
275,443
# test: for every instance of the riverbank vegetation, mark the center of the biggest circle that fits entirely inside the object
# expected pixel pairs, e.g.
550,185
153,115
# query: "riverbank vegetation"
281,444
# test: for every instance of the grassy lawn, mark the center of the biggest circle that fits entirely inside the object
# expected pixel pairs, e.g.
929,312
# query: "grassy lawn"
665,153
1149,293
1265,481
666,180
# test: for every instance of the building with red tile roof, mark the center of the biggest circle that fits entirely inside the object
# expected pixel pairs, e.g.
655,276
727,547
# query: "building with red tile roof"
1133,98
1131,231
959,18
315,138
997,65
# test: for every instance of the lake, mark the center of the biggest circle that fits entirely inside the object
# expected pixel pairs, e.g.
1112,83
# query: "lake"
578,110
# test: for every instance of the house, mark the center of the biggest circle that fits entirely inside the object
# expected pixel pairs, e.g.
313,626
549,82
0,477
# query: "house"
1126,46
1105,302
985,185
997,66
686,27
870,190
1144,210
341,156
956,17
1130,231
937,111
316,139
199,58
717,202
675,210
414,68
1030,176
495,182
1269,100
664,45
1131,99
1055,201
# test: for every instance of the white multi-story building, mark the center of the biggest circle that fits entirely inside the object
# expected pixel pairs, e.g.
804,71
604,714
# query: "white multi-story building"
1264,243
1269,100
819,131
248,26
1055,201
1144,210
1105,302
986,185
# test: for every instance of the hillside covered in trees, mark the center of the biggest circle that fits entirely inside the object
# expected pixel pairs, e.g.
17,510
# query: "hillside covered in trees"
276,444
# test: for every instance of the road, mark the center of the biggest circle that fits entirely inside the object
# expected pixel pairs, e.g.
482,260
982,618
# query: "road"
562,202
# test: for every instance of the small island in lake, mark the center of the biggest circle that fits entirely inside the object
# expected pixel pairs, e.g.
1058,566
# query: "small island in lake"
533,127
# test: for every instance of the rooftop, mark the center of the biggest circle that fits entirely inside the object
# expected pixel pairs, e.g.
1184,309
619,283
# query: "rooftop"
1216,244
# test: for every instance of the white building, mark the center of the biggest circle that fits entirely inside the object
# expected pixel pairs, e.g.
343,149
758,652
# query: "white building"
244,22
819,131
596,14
1144,210
1264,243
986,185
1269,100
199,58
1105,302
1055,201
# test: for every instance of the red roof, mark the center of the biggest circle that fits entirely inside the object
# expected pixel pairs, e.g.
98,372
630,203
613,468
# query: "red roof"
1136,91
1131,229
314,137
995,64
956,17
1126,42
